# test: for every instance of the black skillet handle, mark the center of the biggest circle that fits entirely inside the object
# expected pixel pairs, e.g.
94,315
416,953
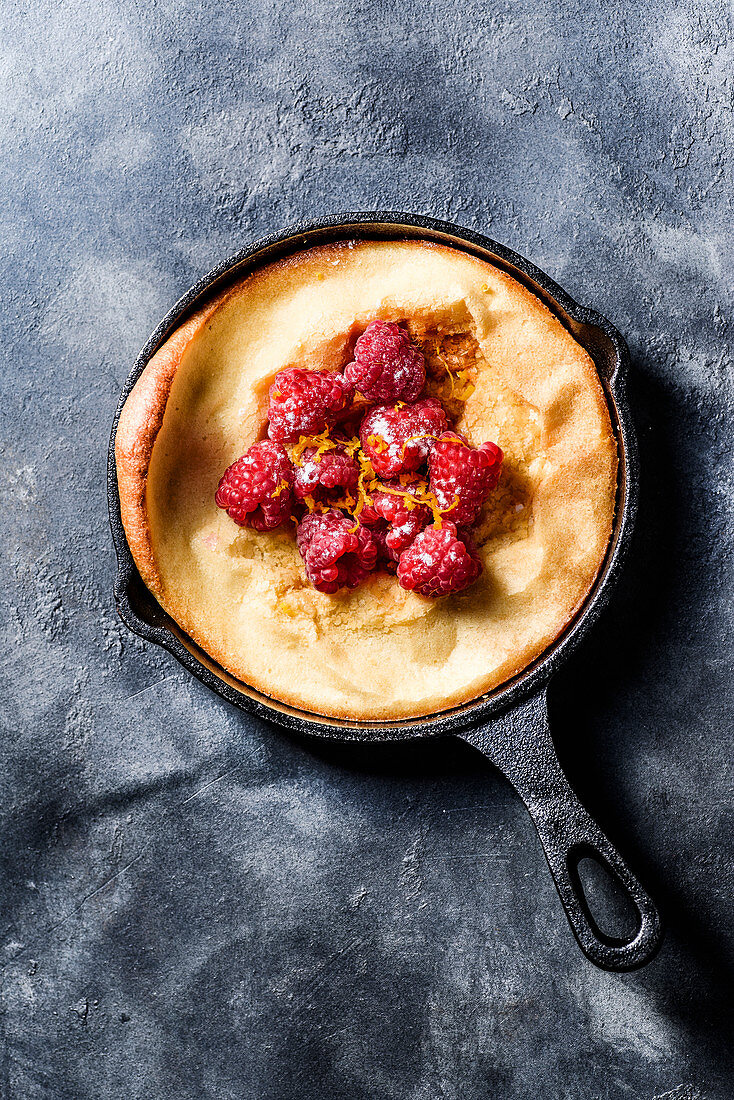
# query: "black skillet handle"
520,745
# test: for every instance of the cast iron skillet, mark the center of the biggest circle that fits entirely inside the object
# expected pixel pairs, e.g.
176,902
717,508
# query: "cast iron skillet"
509,725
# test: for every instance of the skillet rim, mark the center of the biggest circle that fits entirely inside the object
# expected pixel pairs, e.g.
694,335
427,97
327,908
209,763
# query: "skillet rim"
589,327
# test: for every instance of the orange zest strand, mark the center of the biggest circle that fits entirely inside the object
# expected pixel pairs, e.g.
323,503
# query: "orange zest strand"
414,439
435,509
322,442
377,443
365,471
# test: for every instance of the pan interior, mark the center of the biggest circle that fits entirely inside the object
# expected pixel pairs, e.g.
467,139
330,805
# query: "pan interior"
143,614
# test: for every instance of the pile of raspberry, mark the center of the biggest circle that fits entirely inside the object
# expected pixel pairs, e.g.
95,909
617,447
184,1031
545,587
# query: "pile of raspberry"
369,470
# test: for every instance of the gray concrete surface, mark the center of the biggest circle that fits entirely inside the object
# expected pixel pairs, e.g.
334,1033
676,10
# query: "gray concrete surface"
193,905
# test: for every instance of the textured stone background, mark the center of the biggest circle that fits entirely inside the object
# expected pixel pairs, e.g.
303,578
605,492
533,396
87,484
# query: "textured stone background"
193,905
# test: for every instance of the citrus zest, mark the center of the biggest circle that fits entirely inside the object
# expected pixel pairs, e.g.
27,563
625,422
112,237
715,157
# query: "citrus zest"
377,443
414,439
322,442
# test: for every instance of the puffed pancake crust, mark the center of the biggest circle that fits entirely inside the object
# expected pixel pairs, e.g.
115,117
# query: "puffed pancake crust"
376,652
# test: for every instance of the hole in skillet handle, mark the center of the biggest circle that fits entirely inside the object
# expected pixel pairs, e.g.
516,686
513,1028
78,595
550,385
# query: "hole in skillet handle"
609,909
610,952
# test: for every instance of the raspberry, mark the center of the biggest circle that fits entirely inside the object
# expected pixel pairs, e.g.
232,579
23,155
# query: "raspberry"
404,517
387,559
438,562
397,439
386,367
335,469
256,490
336,555
305,402
458,470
